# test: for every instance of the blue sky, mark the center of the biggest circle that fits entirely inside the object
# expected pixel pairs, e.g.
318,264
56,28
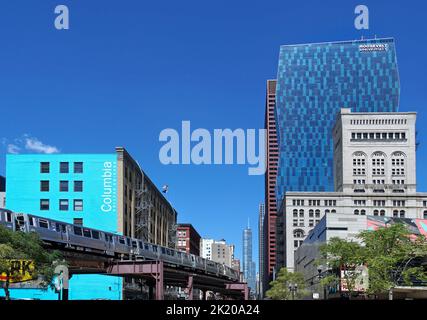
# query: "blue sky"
128,69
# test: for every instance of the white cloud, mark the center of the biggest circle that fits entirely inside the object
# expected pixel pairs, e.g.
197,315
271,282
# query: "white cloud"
34,144
13,149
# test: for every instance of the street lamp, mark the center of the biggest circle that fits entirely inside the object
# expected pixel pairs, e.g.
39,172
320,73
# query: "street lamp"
293,288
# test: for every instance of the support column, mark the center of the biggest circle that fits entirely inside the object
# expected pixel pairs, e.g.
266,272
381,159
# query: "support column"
159,281
190,287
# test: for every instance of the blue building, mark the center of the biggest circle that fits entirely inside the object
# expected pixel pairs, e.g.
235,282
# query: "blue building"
249,272
109,192
76,188
314,82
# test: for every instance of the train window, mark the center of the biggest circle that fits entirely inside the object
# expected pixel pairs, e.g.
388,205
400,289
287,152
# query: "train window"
146,247
108,237
8,216
128,241
95,234
86,233
63,228
134,244
43,224
122,240
154,248
141,245
163,250
57,227
77,231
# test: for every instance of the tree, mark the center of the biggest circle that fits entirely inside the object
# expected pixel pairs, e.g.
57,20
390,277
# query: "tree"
25,246
393,257
280,287
342,255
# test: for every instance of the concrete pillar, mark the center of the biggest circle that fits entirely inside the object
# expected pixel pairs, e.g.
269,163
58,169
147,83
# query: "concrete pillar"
190,287
159,281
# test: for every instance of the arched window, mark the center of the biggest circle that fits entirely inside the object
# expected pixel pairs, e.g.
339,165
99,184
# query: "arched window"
301,213
376,212
363,212
327,211
378,164
334,211
356,212
295,213
402,213
311,213
382,213
395,213
299,233
398,164
359,163
317,213
425,215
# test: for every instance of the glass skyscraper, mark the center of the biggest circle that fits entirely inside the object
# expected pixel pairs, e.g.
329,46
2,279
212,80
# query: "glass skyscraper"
248,265
314,81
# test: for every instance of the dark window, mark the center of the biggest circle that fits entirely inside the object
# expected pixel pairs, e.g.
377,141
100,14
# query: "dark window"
78,167
86,233
146,247
78,186
134,244
44,185
43,224
163,250
63,204
95,234
63,186
78,221
44,167
78,205
77,231
44,204
64,167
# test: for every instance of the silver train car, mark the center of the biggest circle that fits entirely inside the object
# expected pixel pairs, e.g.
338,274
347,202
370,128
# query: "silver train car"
76,237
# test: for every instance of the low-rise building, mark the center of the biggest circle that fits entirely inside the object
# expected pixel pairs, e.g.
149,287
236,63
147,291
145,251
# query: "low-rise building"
109,192
188,239
344,226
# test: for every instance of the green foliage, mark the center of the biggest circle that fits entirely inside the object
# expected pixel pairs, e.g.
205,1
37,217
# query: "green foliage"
339,253
280,287
27,246
391,254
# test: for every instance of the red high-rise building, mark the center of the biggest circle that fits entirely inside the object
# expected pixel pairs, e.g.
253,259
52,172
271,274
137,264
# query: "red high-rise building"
272,154
188,239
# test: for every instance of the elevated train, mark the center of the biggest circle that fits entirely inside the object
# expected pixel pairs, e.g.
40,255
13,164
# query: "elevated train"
76,237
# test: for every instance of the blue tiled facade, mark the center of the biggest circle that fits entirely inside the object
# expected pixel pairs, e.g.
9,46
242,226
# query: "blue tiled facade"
98,173
314,81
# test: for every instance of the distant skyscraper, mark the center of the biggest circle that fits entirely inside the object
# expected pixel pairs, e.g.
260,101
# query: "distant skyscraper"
269,222
248,264
314,82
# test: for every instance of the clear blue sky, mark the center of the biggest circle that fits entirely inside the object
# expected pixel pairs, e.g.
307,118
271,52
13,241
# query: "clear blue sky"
128,69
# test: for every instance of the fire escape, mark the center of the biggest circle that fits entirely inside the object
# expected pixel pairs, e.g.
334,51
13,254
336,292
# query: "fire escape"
143,213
